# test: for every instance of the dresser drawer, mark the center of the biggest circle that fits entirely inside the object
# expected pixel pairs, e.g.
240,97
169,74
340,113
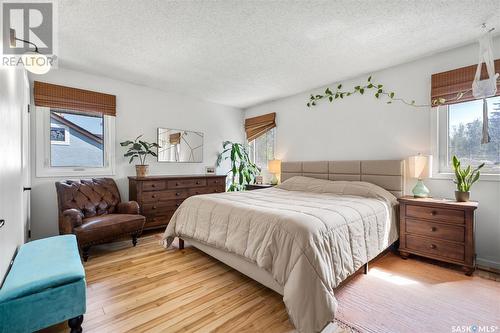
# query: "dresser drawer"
184,183
148,197
218,189
438,214
206,190
438,248
157,221
153,185
174,194
161,207
216,181
436,230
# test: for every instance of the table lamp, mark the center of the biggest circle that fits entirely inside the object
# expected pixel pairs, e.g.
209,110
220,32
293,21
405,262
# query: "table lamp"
274,168
419,166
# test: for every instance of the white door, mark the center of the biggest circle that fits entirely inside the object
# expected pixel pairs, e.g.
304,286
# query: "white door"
25,161
14,93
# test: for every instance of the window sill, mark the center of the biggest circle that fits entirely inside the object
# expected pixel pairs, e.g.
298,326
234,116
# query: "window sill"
484,177
73,172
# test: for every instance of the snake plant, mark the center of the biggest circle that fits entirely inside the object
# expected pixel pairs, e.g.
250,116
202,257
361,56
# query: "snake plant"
243,171
465,177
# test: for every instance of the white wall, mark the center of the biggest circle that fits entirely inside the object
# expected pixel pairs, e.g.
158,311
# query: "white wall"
361,127
14,98
140,110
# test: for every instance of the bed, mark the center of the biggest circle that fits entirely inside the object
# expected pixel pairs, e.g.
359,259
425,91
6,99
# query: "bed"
304,237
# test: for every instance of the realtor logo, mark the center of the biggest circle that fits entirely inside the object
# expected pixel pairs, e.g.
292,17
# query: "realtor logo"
28,35
31,22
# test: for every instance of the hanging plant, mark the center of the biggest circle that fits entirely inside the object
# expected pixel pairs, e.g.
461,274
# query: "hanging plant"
379,92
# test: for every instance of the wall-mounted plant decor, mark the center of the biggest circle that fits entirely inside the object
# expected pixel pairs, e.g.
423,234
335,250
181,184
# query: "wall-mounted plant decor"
379,92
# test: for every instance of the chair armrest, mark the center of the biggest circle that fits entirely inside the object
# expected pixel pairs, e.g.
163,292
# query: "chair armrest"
71,218
130,207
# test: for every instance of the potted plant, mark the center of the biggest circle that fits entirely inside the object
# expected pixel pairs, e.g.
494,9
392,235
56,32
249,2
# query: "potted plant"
464,179
243,171
141,149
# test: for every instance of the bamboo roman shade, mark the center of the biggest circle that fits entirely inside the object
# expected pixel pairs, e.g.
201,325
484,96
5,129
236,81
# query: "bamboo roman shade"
448,84
67,98
257,126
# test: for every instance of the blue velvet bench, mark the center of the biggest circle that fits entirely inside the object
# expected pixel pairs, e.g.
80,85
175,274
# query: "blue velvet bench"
45,286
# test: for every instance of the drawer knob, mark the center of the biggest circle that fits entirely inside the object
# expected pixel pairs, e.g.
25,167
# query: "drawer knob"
176,184
433,229
216,181
154,195
433,213
154,207
153,185
177,194
197,183
432,246
197,192
177,204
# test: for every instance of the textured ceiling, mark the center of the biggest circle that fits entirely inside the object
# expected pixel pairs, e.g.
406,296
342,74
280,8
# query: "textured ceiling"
242,53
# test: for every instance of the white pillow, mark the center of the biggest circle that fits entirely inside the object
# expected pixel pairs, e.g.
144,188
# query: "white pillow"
314,185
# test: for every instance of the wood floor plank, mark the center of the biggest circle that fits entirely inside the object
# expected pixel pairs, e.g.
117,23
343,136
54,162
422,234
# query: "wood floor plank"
150,289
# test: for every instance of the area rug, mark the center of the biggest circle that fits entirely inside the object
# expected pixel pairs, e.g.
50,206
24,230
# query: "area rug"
418,296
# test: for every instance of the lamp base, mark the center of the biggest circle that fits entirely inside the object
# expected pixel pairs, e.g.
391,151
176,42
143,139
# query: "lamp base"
274,180
420,190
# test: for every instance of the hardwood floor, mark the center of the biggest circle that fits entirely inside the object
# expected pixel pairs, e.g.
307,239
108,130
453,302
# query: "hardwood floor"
148,288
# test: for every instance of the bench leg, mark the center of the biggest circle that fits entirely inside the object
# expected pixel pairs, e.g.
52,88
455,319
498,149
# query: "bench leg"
85,253
134,239
76,324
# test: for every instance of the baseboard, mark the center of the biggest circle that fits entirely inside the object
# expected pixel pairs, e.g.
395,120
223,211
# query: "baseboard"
484,263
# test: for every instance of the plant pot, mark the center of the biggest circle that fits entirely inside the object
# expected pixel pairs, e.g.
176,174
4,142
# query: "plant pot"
462,196
141,170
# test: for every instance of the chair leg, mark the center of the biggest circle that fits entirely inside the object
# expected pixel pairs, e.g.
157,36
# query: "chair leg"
76,324
134,239
85,253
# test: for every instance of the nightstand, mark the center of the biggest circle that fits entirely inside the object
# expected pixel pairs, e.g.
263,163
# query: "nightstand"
439,229
250,187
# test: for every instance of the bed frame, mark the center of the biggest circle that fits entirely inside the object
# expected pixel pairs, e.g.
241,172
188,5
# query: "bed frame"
388,174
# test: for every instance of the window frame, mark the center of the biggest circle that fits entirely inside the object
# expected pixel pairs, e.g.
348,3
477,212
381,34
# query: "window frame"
252,143
440,142
43,149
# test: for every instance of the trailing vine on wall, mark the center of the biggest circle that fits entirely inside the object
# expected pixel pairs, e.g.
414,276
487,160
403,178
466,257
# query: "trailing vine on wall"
379,92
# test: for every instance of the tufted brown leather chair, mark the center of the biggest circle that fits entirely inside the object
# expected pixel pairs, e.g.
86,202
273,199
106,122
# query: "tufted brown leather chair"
93,211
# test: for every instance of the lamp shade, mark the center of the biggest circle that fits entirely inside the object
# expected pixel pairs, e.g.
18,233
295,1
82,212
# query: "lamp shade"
274,166
420,166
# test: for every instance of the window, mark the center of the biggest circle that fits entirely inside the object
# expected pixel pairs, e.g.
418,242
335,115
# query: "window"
460,132
74,143
262,149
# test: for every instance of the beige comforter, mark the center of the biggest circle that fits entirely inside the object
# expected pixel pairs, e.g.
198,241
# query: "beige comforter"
309,234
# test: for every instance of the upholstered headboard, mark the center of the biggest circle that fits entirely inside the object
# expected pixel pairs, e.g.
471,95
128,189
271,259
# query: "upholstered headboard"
388,174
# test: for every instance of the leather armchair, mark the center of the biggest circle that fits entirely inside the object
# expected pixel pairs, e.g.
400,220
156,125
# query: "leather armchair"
93,211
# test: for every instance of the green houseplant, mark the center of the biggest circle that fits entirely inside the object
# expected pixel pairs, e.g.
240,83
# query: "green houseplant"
243,171
464,178
140,149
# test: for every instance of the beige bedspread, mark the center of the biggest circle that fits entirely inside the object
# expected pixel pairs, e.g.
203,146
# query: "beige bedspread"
309,234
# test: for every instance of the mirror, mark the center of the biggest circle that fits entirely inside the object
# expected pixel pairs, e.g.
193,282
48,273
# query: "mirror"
179,145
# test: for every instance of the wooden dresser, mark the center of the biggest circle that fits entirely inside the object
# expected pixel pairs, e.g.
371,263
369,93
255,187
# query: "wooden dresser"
159,196
438,229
